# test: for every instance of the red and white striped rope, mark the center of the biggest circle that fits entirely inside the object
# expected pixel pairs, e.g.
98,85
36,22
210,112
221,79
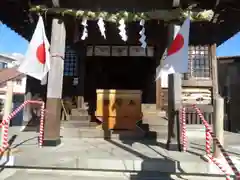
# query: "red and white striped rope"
220,166
207,127
225,154
208,141
5,122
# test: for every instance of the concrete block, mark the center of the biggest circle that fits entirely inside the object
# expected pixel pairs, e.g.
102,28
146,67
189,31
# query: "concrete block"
6,160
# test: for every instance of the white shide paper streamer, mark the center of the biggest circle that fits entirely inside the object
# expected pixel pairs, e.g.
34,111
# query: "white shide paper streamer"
122,29
85,31
101,26
142,38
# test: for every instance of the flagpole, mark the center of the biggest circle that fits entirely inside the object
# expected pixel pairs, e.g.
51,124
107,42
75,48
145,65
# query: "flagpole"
174,100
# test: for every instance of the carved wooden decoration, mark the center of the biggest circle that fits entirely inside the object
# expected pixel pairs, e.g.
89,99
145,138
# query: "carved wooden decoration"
132,103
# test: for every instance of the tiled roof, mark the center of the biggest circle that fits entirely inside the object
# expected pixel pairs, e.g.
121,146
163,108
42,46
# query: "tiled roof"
9,74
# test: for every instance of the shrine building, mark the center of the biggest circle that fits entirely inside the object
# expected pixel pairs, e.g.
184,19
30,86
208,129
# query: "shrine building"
96,58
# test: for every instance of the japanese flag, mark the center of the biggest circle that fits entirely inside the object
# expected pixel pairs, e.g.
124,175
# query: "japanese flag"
37,59
176,60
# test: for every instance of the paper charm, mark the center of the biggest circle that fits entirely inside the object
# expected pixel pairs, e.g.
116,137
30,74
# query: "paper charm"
142,38
85,31
101,26
122,29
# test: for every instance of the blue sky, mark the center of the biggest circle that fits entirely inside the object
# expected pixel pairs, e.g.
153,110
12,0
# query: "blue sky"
11,42
230,47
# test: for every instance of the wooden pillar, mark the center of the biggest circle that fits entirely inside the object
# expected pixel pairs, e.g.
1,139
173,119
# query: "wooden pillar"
158,94
213,60
157,56
54,88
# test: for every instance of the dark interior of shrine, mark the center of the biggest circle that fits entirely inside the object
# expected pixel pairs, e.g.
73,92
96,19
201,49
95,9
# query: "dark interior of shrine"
129,73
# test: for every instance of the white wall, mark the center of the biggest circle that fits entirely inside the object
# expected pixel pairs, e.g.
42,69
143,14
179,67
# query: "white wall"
17,88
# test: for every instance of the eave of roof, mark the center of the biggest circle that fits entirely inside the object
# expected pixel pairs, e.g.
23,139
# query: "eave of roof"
10,74
228,57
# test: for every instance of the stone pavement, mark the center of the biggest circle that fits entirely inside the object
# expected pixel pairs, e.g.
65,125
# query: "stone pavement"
89,158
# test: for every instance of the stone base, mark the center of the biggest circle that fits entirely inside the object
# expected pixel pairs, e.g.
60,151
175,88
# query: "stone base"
7,160
54,142
173,146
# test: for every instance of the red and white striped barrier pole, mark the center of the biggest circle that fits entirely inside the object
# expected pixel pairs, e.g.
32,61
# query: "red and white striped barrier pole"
5,122
225,154
183,125
41,128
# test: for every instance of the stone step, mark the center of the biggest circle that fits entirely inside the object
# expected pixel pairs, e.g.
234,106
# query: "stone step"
113,155
97,132
37,174
79,112
148,107
155,120
79,117
78,124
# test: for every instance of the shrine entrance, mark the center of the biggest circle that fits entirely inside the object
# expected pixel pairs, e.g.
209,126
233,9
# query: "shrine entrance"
122,73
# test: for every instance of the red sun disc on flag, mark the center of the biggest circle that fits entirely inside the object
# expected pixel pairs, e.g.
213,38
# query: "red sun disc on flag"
176,45
41,56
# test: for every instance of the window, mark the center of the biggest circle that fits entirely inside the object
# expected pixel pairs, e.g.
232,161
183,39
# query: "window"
70,62
199,63
19,82
3,65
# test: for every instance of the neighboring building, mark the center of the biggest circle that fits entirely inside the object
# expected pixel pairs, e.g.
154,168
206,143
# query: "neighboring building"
10,60
8,72
19,80
229,88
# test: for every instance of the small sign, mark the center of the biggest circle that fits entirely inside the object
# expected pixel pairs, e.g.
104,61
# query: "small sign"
90,51
119,50
102,51
75,81
150,51
137,51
